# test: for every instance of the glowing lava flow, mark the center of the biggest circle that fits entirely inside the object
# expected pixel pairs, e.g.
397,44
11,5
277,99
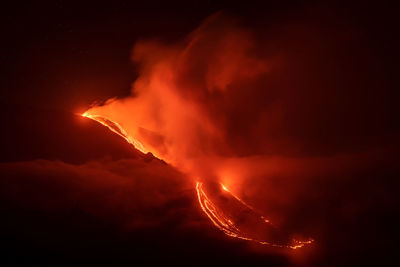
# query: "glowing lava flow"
218,218
222,219
226,223
116,128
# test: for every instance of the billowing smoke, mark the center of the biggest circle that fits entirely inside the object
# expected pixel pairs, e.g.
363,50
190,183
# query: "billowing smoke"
276,114
201,101
230,92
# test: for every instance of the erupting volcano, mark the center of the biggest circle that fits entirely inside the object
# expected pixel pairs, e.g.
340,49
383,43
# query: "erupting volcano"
196,106
199,133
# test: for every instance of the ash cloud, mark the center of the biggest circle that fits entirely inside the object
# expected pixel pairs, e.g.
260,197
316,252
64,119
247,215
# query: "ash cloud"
295,90
279,114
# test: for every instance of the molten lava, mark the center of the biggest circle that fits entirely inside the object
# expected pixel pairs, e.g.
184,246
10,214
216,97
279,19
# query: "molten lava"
116,128
226,211
237,219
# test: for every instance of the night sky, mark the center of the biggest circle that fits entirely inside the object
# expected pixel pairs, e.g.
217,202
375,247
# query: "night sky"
322,115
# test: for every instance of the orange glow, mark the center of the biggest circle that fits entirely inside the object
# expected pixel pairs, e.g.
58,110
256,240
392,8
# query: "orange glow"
223,187
228,226
186,104
213,212
116,128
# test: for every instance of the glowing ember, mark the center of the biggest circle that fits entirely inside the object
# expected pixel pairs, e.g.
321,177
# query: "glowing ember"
224,187
232,216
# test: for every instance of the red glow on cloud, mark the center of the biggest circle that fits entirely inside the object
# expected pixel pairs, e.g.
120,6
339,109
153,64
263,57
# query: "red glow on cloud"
181,111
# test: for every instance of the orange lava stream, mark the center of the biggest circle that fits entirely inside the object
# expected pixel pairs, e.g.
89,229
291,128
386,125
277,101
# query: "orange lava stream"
226,224
116,128
215,214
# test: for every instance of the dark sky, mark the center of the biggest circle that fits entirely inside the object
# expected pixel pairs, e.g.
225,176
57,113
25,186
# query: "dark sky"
72,192
59,54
